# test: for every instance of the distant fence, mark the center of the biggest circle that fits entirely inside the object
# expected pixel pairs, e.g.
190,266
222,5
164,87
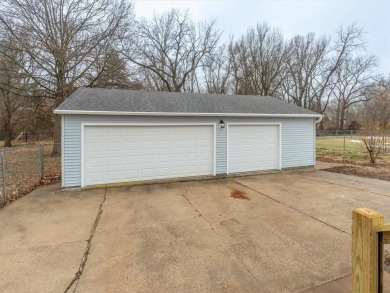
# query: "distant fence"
30,136
23,168
336,132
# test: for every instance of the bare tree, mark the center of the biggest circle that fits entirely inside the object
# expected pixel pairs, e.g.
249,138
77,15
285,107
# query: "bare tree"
373,145
377,106
192,83
217,71
316,67
305,63
259,62
113,73
349,40
17,106
64,39
169,48
376,118
353,79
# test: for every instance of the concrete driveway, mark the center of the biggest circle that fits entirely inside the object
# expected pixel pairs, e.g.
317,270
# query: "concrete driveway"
283,232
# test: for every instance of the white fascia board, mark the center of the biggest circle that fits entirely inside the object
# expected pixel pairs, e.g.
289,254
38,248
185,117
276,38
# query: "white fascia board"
119,113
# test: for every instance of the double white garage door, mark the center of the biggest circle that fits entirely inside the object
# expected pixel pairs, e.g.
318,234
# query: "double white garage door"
134,153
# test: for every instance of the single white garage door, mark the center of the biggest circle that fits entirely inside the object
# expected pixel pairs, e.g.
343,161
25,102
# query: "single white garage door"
253,148
132,153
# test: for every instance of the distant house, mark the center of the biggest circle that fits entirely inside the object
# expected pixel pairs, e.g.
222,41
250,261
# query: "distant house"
113,135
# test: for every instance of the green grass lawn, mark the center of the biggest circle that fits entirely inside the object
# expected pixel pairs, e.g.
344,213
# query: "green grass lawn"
345,149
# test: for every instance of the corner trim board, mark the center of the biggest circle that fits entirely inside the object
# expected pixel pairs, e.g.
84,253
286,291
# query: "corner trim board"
62,151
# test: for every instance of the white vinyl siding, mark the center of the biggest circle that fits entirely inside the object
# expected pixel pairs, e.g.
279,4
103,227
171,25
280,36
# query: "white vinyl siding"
298,143
297,148
221,148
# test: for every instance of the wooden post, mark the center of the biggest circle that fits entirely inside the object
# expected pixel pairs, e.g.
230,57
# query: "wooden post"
366,275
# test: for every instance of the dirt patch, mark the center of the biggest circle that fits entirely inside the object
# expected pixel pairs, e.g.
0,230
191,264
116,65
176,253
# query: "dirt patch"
378,171
238,194
338,160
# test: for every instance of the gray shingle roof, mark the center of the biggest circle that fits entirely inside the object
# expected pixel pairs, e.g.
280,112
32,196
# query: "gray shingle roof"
114,100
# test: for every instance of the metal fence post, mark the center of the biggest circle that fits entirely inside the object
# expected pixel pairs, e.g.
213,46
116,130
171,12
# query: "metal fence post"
5,196
41,156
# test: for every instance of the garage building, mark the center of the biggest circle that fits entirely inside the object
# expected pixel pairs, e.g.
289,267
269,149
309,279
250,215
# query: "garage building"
111,135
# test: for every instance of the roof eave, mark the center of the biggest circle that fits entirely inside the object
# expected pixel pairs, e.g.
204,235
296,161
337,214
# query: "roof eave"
121,113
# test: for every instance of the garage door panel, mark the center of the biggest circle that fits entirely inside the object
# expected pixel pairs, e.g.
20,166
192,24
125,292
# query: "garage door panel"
130,146
95,132
163,144
133,153
114,161
96,162
130,160
96,146
130,174
163,158
113,146
203,156
253,147
96,176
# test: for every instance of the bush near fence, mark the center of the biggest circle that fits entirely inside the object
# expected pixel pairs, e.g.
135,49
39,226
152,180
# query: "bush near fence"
23,168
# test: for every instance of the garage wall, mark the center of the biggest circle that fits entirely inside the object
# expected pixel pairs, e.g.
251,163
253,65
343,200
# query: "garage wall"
298,139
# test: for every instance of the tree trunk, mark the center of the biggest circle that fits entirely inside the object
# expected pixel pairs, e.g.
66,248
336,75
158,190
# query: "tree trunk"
342,118
7,141
7,135
60,97
338,116
321,125
318,109
57,135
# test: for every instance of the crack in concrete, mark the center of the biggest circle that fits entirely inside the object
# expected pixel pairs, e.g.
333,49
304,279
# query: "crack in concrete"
84,259
221,239
291,207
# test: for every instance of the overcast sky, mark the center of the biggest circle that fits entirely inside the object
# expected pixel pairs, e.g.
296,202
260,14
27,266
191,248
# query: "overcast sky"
292,17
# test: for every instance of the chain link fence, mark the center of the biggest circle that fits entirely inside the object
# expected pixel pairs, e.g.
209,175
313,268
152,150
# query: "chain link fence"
23,168
336,132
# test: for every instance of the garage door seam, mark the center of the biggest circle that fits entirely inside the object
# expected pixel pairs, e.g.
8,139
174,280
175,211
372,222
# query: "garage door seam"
84,259
220,238
291,207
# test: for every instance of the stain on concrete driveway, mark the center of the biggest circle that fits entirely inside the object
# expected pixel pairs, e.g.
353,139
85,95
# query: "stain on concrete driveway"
293,234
